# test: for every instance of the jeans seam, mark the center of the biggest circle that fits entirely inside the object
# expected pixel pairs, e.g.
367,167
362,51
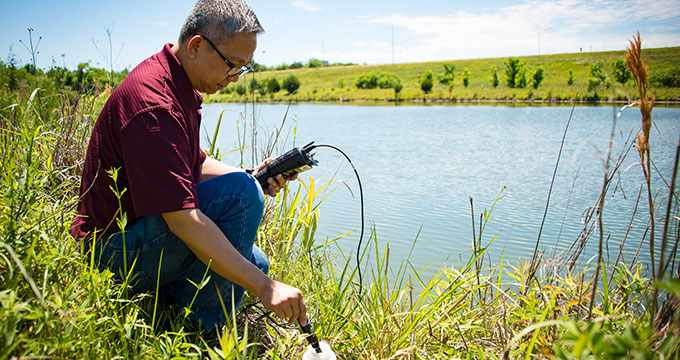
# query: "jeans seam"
143,246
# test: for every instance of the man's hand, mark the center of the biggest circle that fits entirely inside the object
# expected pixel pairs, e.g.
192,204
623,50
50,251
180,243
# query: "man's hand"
285,301
277,182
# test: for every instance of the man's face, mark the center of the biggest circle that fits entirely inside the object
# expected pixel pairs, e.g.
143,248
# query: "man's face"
211,75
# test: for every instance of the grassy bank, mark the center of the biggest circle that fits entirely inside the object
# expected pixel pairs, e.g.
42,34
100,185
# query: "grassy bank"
335,84
54,304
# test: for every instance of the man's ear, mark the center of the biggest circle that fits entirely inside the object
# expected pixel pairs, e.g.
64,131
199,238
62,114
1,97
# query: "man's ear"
193,45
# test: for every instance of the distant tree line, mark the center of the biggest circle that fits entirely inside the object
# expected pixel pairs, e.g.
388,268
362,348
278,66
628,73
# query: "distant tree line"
379,79
83,79
666,78
15,79
311,63
271,85
600,79
517,75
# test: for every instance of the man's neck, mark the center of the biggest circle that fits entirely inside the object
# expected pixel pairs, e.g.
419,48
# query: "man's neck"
175,50
183,60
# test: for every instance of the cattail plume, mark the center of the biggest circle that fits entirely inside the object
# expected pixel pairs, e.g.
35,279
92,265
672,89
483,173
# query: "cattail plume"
641,78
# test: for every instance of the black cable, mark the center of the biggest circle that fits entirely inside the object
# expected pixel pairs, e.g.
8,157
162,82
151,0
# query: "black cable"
361,196
267,314
311,336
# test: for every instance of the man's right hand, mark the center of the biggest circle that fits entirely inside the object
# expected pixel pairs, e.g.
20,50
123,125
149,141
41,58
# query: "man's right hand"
285,301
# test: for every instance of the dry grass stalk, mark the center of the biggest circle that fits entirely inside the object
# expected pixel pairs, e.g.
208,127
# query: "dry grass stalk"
640,74
641,78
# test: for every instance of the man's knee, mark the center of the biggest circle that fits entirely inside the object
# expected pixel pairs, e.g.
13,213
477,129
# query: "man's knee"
253,195
259,259
238,186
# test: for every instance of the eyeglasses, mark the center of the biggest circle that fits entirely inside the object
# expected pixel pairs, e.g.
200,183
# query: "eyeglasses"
233,70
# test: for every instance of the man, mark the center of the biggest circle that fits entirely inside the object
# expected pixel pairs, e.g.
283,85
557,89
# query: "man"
184,210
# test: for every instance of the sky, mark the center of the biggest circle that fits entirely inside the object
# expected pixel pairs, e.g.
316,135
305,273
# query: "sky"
362,32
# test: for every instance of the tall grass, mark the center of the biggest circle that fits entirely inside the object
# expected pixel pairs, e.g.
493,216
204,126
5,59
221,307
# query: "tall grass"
54,303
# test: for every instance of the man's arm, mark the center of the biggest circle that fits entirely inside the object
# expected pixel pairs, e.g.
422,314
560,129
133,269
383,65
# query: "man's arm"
210,245
212,168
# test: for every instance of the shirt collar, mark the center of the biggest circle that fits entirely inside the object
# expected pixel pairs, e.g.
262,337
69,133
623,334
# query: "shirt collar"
188,97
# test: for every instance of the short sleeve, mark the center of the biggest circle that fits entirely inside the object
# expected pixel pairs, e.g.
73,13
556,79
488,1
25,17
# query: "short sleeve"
202,156
159,159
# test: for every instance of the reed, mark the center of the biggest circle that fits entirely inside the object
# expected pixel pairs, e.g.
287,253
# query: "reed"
640,72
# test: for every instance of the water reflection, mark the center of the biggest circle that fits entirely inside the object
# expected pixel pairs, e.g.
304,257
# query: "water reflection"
420,165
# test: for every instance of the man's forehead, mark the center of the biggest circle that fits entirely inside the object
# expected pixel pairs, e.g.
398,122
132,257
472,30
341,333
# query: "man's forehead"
240,47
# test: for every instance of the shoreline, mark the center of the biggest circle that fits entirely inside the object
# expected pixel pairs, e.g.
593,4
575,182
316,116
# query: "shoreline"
439,101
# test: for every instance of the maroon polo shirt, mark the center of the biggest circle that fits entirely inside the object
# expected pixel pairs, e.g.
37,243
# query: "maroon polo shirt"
149,130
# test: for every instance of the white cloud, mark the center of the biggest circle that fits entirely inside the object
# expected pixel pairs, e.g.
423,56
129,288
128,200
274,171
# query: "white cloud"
518,29
556,26
656,9
162,24
306,5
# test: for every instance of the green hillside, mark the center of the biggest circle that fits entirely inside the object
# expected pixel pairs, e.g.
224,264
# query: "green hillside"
335,84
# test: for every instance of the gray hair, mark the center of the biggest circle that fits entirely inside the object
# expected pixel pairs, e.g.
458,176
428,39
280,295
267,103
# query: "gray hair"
220,20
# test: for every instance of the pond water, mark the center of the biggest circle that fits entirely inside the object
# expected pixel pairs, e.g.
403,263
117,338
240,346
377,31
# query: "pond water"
420,165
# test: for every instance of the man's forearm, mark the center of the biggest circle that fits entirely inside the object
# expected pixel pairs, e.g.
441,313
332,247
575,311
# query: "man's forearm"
210,246
212,168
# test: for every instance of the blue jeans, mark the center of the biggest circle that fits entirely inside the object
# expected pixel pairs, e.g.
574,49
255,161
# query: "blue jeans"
235,203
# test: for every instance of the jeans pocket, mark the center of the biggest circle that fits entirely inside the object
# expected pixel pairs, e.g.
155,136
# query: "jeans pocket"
125,265
121,241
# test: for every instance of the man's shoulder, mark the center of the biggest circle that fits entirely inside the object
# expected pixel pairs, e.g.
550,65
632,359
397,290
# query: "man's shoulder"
157,83
146,87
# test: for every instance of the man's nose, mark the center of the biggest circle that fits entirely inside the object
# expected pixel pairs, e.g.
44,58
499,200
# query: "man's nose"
233,78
